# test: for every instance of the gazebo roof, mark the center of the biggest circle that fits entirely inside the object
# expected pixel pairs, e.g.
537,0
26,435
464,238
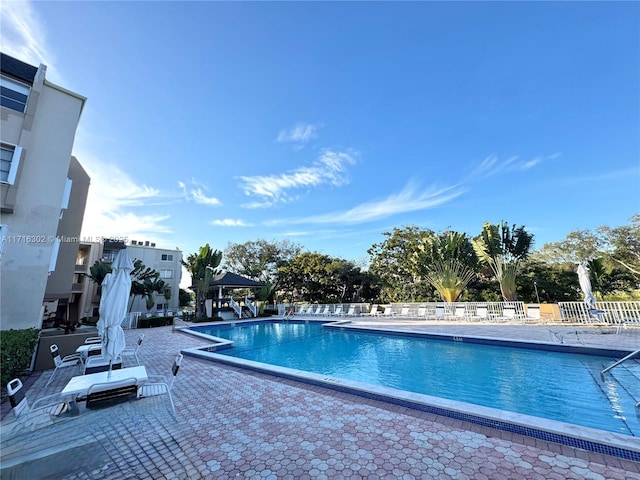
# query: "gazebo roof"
233,280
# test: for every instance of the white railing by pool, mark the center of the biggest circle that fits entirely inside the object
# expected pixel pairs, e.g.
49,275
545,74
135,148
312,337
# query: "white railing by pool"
616,314
236,307
251,306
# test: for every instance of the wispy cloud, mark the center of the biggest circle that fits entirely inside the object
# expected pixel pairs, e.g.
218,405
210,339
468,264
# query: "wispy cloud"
301,133
329,169
410,199
195,193
492,165
113,196
24,36
229,222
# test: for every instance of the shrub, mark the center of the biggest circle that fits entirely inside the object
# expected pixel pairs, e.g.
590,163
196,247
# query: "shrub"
149,322
16,351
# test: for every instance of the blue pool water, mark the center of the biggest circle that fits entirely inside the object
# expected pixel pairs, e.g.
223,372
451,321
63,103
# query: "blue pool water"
553,385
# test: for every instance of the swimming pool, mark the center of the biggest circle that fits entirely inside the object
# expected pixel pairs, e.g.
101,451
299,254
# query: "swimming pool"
558,386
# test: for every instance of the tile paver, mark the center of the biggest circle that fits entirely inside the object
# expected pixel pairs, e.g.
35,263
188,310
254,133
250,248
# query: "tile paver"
237,424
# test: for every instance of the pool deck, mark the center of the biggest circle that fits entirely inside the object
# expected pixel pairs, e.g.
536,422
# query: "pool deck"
232,423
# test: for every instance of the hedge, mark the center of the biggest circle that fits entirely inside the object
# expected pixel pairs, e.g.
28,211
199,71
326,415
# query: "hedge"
149,322
16,351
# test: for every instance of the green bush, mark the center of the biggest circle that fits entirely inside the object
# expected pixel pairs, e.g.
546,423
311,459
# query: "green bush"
16,351
150,322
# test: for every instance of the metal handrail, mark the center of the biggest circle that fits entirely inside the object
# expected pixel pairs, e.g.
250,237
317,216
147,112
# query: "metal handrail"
179,321
252,307
628,357
236,307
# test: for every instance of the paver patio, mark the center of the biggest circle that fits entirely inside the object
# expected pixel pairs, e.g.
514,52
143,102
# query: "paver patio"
236,424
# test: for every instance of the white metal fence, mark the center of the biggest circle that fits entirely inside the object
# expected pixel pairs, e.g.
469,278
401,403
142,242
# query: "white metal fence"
617,314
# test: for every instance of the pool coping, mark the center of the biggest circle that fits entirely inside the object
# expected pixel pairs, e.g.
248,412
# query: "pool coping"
576,436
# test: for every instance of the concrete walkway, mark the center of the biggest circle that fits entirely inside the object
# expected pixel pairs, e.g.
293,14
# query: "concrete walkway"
234,424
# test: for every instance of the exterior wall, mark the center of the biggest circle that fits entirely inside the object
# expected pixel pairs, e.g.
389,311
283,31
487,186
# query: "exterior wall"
31,206
61,280
152,257
85,290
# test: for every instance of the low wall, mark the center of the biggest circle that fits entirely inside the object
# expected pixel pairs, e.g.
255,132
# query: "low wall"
67,345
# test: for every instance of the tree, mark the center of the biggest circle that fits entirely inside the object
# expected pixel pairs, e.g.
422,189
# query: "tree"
624,245
395,263
202,266
98,271
184,297
503,249
446,260
313,276
260,260
144,283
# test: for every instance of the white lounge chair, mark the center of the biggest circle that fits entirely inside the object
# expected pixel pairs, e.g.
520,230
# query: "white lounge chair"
160,385
373,311
533,314
351,312
133,351
388,312
73,360
338,311
48,406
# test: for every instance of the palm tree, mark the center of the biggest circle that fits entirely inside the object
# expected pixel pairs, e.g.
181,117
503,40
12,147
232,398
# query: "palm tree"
446,261
202,267
503,249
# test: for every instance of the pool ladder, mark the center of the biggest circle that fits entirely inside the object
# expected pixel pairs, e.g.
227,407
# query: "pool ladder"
622,360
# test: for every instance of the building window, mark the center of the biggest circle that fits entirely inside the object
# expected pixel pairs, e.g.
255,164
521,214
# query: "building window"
167,257
9,160
109,255
13,95
166,273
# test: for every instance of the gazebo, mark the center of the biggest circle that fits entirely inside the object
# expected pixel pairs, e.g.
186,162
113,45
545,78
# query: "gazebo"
225,283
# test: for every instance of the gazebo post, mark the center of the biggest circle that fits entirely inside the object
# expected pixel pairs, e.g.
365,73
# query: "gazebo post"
220,296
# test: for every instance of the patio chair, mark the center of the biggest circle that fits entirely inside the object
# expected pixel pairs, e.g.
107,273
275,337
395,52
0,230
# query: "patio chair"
351,312
50,404
533,314
459,313
373,311
95,364
388,312
107,394
326,311
160,385
438,314
72,360
133,351
338,311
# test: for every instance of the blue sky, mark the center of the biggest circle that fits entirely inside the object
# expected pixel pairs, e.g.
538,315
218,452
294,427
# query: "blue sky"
330,123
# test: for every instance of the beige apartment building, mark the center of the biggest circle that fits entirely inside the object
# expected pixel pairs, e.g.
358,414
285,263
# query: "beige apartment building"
166,262
43,192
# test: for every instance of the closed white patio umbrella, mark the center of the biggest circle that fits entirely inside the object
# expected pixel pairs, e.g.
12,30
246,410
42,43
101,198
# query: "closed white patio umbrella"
585,284
116,288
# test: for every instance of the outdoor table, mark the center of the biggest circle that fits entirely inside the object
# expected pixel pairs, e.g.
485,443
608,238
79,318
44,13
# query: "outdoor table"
79,385
83,350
